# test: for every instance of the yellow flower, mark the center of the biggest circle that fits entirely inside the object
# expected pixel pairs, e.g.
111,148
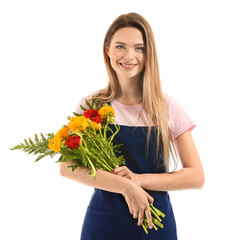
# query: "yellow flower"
62,133
95,125
79,122
54,144
104,111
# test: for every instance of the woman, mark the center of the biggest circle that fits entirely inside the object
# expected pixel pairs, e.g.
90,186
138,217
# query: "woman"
153,128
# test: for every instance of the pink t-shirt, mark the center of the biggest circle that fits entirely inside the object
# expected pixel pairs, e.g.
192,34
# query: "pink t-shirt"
129,115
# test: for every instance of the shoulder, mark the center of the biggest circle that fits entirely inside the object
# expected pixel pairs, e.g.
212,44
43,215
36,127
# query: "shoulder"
168,100
83,102
173,106
179,120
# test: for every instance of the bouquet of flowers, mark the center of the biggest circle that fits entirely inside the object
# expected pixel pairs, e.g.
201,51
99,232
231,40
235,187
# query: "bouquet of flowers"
87,141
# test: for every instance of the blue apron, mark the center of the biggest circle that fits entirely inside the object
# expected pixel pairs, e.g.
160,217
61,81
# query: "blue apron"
108,217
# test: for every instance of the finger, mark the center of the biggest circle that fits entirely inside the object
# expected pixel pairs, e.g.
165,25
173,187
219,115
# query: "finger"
150,198
135,214
140,218
118,169
131,211
149,217
122,174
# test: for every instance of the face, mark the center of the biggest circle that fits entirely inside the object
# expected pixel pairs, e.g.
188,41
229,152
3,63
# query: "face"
127,53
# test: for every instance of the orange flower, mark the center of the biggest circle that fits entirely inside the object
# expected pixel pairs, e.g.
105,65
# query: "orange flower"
62,133
54,144
79,122
106,110
95,125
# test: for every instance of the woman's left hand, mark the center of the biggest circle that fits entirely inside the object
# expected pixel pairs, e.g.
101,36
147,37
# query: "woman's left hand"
127,173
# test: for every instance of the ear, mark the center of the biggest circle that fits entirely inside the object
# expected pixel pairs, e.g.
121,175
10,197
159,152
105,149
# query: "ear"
107,50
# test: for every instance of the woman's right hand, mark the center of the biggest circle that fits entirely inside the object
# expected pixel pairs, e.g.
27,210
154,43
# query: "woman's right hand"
138,203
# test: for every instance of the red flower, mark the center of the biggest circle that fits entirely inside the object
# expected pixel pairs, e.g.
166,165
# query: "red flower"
93,115
73,142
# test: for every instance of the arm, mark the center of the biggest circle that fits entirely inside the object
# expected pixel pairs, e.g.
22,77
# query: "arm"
136,198
190,176
103,180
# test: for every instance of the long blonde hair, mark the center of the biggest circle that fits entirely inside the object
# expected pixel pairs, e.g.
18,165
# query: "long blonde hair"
153,98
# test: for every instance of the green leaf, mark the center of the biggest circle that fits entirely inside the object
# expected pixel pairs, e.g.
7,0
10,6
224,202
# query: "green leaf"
36,138
74,167
77,114
83,108
95,102
39,158
26,142
88,104
43,138
31,141
60,159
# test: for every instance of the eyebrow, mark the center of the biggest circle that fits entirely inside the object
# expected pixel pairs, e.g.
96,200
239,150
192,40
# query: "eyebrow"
126,44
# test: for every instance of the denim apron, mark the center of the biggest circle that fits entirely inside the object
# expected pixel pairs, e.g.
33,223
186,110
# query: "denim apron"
108,217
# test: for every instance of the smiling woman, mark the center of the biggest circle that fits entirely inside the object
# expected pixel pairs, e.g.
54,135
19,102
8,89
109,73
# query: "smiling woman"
153,127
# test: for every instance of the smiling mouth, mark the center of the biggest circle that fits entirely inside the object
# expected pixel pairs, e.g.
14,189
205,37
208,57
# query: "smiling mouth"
128,66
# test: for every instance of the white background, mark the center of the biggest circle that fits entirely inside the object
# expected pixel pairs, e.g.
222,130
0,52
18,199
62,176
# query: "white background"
51,56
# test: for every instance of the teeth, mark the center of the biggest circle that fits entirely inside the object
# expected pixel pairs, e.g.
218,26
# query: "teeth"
128,65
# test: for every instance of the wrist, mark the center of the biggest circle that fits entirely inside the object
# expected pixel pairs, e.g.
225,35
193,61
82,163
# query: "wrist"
127,186
138,179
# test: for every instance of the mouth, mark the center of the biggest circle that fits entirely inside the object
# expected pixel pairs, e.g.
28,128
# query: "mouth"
128,66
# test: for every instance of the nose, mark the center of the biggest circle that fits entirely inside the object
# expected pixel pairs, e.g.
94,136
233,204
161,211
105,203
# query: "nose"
128,54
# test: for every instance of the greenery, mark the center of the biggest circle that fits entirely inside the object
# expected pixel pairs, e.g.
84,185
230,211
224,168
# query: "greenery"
37,146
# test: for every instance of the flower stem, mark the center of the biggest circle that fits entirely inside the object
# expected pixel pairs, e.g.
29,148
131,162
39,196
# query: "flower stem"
157,223
146,221
105,165
117,130
156,216
144,228
157,211
92,167
105,128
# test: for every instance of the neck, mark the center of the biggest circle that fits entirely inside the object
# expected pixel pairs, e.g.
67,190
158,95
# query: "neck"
130,91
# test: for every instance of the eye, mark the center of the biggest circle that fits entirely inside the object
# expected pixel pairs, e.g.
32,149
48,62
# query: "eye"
120,47
139,49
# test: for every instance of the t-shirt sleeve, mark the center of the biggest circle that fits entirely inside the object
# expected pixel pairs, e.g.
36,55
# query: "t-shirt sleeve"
178,119
83,103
